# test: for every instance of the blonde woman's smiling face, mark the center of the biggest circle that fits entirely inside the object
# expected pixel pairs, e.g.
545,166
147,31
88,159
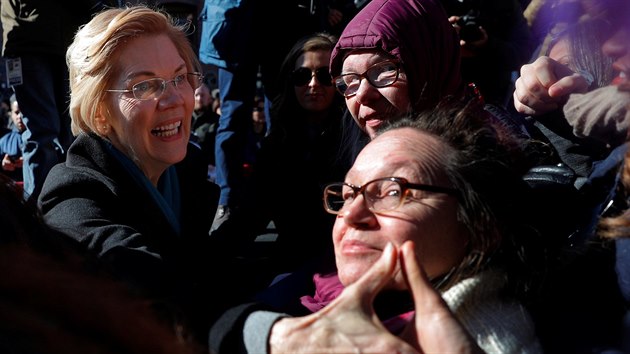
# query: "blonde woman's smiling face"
153,133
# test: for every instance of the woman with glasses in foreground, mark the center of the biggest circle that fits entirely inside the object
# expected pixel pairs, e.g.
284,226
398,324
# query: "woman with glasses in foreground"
444,187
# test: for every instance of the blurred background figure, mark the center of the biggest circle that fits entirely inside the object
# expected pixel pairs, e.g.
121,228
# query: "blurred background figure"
216,103
495,41
11,143
330,16
204,125
256,134
36,34
582,111
300,152
247,42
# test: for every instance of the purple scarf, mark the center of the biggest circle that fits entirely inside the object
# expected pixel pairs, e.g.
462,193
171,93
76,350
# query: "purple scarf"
328,287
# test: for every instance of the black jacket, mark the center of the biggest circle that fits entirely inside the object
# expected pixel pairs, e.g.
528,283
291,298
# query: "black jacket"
92,199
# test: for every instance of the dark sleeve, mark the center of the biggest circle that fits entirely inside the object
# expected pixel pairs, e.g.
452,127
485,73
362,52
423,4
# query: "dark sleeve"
510,40
109,221
623,267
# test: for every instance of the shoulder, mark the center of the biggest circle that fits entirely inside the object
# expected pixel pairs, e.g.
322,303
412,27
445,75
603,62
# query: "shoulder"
87,161
500,324
88,178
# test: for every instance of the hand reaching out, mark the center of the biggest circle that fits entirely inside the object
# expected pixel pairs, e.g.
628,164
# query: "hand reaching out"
545,85
350,325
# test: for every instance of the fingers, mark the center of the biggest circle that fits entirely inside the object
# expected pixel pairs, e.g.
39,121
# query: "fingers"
423,292
436,329
348,324
543,86
574,83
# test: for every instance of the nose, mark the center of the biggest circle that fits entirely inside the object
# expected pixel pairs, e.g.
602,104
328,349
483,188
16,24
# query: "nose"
366,92
357,214
313,81
173,94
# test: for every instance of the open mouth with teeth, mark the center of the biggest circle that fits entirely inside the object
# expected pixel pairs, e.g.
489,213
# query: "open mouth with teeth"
167,130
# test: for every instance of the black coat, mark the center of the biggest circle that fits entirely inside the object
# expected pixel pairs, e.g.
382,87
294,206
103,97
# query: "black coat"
92,199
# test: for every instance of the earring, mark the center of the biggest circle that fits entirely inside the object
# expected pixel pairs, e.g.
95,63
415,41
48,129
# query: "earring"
104,129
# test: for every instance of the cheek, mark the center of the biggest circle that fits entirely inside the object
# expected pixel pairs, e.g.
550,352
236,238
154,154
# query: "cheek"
126,111
337,231
299,92
397,230
330,93
353,107
399,98
440,244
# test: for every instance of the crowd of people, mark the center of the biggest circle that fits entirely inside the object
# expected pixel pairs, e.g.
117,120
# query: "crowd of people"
442,176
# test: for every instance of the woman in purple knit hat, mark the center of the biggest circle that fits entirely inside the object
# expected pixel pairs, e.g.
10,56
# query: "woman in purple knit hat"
408,54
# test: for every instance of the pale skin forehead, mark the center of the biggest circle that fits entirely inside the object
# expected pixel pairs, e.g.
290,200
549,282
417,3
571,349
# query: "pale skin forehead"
405,150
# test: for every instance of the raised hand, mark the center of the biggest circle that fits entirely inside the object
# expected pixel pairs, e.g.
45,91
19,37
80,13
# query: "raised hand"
545,85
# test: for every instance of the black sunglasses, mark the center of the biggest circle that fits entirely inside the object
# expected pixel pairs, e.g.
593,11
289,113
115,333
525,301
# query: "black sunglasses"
302,76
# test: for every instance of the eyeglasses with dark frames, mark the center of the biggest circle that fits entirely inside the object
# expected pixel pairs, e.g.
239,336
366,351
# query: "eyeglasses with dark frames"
154,88
302,76
380,195
379,75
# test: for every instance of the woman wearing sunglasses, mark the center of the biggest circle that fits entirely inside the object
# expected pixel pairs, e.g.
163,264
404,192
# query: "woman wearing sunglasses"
298,156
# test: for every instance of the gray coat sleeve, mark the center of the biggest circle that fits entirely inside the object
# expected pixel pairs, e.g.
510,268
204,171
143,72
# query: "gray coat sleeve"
257,329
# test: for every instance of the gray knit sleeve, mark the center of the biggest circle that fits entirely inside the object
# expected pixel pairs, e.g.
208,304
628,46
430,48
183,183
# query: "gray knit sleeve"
257,329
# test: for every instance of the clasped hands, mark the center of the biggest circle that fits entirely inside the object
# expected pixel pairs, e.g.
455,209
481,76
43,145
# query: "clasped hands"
350,325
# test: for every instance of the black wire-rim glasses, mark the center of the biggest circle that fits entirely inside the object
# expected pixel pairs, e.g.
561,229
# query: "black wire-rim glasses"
155,87
380,195
379,75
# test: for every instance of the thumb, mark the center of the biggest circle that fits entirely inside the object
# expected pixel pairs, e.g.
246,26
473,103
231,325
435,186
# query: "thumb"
381,273
436,329
424,295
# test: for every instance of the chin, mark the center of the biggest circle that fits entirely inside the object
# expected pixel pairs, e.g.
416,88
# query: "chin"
173,157
350,273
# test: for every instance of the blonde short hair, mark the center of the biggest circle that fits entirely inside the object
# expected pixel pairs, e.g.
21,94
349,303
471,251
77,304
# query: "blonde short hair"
92,56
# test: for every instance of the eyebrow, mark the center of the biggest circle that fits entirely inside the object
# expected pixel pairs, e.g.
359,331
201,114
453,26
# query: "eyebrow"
150,73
